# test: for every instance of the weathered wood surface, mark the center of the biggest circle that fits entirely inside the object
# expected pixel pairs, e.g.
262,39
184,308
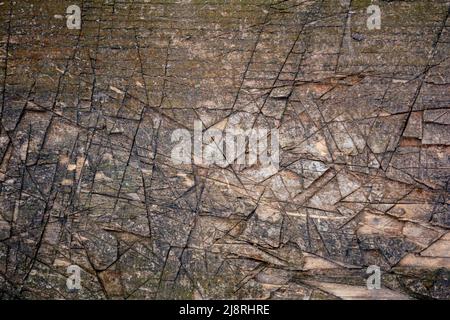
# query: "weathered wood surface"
86,176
